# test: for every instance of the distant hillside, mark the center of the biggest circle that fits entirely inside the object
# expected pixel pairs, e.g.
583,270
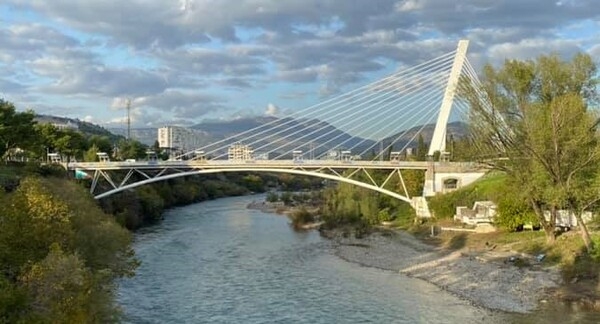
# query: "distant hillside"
315,134
456,129
86,128
145,135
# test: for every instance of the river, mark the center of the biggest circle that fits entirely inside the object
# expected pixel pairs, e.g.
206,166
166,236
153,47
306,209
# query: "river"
219,262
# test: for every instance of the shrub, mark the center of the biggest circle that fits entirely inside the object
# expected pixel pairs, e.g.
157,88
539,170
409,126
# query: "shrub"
301,217
272,197
513,213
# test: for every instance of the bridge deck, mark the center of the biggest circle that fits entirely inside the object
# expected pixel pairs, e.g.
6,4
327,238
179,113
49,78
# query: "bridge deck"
274,164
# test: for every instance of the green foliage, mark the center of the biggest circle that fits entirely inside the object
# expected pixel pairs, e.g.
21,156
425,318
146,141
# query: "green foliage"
272,197
59,255
102,143
151,202
595,253
301,217
513,213
146,204
490,187
421,149
544,129
348,204
286,197
16,129
131,149
91,154
58,286
254,183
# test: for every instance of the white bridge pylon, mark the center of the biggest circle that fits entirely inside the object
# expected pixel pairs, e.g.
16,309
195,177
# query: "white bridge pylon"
373,127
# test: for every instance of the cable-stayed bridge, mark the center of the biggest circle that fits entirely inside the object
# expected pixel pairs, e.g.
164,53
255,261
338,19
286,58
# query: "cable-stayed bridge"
345,138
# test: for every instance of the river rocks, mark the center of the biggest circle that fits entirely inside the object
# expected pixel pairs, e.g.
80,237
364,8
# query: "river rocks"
482,279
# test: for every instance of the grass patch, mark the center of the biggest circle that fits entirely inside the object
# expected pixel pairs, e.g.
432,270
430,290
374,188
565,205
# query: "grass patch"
486,188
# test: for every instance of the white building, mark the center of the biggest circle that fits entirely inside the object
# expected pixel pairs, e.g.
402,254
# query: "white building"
240,152
179,138
61,124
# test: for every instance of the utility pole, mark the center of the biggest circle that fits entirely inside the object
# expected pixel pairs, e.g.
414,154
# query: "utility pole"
128,119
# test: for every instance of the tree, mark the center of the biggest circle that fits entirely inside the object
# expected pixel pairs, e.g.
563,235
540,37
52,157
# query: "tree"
131,149
70,143
91,155
421,149
58,286
534,114
103,143
16,129
59,255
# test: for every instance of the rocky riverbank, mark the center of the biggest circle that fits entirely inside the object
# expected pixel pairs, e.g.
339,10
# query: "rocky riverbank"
488,279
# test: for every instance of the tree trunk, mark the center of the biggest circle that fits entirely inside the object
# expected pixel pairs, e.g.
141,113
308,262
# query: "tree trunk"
548,226
585,234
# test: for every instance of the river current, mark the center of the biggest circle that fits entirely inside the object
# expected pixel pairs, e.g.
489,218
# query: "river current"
219,262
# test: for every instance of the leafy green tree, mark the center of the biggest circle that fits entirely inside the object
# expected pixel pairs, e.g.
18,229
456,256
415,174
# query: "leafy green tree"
58,286
253,182
70,143
59,255
16,129
535,115
103,143
131,149
421,149
91,155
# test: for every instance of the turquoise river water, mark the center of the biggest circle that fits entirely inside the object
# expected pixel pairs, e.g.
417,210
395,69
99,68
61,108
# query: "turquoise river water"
219,262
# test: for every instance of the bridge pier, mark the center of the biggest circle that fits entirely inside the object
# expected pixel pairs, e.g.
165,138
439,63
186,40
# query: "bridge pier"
429,187
444,181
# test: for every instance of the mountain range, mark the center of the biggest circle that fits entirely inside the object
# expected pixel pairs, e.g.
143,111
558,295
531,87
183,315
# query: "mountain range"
308,135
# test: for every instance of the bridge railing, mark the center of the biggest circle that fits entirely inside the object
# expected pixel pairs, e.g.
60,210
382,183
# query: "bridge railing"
346,164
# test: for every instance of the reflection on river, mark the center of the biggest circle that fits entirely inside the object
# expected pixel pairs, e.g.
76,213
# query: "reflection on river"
218,262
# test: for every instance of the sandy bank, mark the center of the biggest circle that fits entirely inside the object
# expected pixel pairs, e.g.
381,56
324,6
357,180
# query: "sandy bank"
483,278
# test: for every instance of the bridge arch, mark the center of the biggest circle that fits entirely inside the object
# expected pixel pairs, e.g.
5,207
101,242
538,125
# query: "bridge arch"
273,170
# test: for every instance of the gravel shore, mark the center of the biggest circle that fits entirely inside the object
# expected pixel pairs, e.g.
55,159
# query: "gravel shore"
486,279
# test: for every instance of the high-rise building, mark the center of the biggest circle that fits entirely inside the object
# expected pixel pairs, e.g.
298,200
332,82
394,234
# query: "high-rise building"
177,138
240,152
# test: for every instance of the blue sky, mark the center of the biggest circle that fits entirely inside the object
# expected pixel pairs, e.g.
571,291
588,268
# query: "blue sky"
181,62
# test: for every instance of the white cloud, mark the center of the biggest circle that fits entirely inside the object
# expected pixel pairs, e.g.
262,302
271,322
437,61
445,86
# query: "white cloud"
188,59
272,110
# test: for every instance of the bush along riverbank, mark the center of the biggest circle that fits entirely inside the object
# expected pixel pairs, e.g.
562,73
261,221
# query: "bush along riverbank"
146,204
60,254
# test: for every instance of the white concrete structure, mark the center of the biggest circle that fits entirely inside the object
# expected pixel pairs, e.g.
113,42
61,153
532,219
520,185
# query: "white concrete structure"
567,219
446,180
66,125
179,138
438,141
483,212
240,152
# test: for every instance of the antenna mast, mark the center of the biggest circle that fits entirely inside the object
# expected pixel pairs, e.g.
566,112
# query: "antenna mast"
128,119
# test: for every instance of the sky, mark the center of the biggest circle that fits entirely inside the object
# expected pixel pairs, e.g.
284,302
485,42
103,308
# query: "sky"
184,61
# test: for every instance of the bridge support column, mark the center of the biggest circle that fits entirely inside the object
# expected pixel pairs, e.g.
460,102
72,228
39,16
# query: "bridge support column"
421,207
429,186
